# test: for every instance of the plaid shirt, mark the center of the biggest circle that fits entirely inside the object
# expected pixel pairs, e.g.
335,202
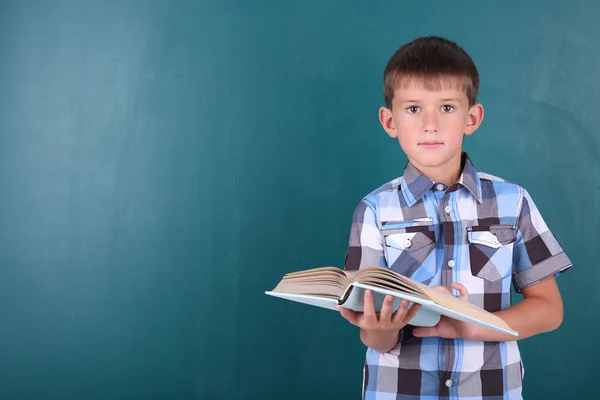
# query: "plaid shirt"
481,232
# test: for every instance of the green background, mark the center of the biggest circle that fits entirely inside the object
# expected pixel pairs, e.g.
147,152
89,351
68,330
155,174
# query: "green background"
163,163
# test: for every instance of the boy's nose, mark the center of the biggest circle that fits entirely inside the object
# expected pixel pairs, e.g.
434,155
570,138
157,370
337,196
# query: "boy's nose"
430,124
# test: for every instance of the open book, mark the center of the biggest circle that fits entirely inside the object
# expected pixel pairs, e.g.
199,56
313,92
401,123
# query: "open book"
329,286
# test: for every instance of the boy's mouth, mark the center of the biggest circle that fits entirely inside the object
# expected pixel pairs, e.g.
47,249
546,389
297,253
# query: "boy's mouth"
430,144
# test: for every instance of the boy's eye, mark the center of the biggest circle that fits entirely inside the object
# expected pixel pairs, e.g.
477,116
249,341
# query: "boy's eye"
413,109
447,108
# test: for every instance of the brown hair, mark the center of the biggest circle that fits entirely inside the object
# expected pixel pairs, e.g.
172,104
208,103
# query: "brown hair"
431,59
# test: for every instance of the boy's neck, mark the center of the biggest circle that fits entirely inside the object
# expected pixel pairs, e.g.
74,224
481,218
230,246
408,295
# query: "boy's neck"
447,174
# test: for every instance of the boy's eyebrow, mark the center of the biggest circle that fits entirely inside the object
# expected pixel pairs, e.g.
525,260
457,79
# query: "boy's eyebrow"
452,99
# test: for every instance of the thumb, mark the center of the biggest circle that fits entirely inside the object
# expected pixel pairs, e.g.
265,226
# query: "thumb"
348,314
463,293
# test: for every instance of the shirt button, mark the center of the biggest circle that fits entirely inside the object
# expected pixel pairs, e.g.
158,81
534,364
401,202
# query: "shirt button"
451,263
448,209
407,243
448,383
440,187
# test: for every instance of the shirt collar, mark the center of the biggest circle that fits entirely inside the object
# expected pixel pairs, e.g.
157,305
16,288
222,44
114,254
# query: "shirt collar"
414,185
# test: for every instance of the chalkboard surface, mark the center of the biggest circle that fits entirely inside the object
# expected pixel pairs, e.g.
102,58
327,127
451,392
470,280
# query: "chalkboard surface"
163,163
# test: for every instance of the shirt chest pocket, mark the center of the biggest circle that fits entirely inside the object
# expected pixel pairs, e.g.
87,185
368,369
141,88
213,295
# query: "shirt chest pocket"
407,244
491,251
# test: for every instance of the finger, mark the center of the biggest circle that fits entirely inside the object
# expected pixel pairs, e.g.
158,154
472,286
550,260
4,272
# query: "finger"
425,331
369,308
400,312
350,315
386,309
464,294
411,313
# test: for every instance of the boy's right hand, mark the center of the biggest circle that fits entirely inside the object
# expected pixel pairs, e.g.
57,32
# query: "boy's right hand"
380,330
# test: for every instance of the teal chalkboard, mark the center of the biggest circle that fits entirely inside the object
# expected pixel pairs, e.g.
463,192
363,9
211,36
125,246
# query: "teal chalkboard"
163,163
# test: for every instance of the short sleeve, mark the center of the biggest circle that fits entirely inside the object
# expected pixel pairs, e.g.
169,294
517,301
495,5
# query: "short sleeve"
366,245
536,253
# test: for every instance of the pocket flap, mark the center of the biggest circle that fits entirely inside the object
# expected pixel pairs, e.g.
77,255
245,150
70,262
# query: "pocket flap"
485,238
494,236
408,241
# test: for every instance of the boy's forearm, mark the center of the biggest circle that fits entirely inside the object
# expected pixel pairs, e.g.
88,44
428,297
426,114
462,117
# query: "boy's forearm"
529,317
382,342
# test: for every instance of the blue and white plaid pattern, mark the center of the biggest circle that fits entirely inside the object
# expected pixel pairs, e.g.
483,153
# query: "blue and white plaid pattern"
482,232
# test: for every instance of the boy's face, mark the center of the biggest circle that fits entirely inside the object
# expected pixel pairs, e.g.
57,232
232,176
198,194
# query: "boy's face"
430,124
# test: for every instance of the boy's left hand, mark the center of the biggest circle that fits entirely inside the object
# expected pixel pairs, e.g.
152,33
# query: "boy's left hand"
449,328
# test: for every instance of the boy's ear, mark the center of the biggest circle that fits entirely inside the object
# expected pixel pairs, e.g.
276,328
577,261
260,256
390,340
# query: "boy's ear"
387,121
475,118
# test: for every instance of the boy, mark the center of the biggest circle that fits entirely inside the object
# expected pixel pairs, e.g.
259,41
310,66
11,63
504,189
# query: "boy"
449,226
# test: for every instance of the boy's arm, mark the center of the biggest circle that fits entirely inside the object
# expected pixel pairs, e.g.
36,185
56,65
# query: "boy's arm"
537,260
540,311
379,332
365,247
